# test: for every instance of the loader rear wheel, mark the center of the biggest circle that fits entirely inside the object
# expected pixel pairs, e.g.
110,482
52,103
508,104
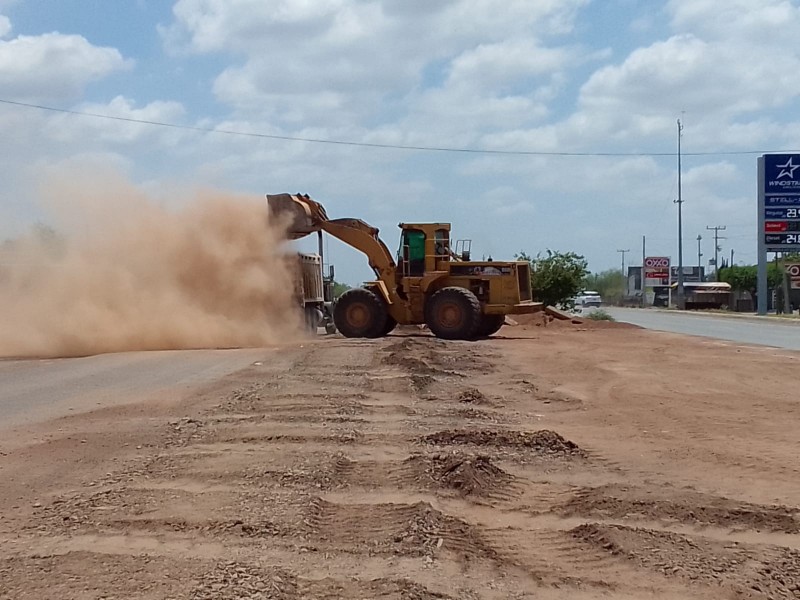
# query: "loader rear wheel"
360,313
490,324
453,313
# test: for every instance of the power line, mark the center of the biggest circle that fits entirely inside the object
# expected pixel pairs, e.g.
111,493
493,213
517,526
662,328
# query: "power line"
384,146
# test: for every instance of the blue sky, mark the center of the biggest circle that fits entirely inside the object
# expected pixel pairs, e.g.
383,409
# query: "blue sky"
548,76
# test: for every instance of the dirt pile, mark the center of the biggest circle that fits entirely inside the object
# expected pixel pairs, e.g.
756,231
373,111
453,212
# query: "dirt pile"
402,529
748,571
473,396
543,442
115,270
467,475
236,581
685,507
544,321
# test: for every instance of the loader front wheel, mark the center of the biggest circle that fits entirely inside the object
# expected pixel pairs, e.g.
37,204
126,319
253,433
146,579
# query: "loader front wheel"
453,313
360,313
389,326
490,324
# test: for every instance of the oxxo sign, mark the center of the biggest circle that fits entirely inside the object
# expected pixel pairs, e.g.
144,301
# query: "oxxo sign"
778,213
793,271
656,270
658,263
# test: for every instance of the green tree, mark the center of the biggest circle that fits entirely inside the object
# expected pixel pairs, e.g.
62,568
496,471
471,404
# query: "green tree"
610,284
745,277
557,277
339,288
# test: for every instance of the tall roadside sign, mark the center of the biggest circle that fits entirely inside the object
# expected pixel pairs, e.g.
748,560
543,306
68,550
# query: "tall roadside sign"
778,212
656,273
793,271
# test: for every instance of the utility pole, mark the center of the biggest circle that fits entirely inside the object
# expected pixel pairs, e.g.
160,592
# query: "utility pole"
731,257
699,252
717,248
623,252
641,277
680,299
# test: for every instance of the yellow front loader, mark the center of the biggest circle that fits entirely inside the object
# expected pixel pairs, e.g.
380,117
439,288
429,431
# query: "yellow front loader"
430,282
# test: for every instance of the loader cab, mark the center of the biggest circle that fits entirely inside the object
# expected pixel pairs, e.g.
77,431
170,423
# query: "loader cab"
422,247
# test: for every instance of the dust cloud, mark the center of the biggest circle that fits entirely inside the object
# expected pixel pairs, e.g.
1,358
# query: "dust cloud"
114,270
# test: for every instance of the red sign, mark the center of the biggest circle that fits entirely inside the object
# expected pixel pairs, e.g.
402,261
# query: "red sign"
775,226
656,275
793,271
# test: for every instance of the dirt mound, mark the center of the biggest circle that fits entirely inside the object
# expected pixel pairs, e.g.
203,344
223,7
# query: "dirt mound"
473,396
431,356
614,503
747,570
468,475
236,581
414,356
399,529
543,442
542,320
385,589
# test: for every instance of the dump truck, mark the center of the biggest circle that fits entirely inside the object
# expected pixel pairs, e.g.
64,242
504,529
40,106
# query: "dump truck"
430,281
313,291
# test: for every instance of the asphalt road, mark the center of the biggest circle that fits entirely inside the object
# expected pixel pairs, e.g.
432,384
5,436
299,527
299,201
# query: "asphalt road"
37,390
759,331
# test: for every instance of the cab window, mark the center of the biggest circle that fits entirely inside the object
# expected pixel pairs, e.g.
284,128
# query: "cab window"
413,251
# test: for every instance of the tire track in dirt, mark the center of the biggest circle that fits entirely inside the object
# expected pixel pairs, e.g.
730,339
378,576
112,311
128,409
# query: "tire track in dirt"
746,570
404,455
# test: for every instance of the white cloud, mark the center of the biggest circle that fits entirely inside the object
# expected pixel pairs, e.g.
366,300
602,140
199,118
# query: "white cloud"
355,61
497,74
749,22
505,63
5,26
69,127
687,73
54,66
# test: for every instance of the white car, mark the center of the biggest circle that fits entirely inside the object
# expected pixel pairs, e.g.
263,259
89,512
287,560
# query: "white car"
588,299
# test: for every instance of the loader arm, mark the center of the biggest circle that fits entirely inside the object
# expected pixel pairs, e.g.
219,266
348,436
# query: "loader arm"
364,237
306,216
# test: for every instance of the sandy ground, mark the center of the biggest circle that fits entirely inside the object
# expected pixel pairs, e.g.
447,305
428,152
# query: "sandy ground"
564,461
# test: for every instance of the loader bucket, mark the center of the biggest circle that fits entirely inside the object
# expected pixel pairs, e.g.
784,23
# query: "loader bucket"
301,212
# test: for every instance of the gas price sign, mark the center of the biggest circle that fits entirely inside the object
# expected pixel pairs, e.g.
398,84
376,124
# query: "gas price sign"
784,212
782,239
779,202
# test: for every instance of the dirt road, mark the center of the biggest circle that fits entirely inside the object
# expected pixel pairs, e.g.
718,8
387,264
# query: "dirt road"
557,462
38,390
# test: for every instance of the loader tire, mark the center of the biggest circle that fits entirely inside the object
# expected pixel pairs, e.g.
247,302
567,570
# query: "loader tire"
360,313
390,325
453,313
490,324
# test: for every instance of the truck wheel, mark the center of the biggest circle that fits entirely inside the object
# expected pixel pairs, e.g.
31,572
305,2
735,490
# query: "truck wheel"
490,324
313,317
453,313
360,313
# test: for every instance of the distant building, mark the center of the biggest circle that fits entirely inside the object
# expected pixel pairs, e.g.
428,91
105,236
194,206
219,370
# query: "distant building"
660,293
